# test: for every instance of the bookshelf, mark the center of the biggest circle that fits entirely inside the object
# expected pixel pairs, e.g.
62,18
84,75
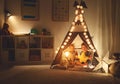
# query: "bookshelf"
30,49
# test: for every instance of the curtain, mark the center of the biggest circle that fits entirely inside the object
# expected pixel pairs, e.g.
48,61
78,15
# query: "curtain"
116,25
108,27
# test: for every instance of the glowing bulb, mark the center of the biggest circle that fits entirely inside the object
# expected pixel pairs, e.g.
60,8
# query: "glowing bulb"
72,28
81,19
94,50
82,11
76,18
86,36
56,51
85,30
70,34
81,7
73,23
88,42
85,33
66,40
66,54
91,46
81,15
68,37
76,12
78,6
62,47
65,43
82,23
85,27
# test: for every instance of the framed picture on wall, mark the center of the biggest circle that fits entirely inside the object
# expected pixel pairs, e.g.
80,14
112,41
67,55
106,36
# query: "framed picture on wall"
30,9
60,10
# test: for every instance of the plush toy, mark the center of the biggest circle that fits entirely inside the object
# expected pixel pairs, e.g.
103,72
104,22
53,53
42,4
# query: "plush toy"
84,57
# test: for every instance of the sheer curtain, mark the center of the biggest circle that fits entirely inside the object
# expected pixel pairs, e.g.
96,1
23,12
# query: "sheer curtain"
108,27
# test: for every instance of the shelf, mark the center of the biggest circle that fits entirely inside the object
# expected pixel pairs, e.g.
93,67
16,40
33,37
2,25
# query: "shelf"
27,49
21,42
34,42
11,55
35,55
47,42
8,42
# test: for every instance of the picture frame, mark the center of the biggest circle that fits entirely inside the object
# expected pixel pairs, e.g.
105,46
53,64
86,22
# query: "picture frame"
30,9
60,10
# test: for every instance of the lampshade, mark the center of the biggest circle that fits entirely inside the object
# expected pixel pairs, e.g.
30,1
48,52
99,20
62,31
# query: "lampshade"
7,13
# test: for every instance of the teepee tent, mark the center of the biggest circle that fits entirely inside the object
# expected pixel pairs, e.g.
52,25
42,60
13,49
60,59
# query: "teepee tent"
78,28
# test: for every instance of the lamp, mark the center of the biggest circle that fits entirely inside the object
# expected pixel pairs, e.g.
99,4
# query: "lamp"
7,13
82,3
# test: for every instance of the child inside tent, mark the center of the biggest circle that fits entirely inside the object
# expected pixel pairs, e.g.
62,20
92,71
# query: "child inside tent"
69,55
85,56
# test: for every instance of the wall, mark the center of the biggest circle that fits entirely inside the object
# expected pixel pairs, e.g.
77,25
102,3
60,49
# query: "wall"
1,12
1,21
58,29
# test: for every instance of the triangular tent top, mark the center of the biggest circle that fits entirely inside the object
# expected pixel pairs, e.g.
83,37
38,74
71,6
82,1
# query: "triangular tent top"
78,27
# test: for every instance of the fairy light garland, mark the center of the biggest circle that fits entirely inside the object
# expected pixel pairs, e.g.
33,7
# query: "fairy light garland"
79,17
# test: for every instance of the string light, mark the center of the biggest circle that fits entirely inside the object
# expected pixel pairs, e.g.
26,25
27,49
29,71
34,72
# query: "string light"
82,23
85,26
82,11
65,43
72,28
85,33
86,36
68,37
76,18
94,50
81,7
73,23
89,42
81,19
76,12
78,6
81,15
62,47
70,34
66,40
56,51
85,30
91,46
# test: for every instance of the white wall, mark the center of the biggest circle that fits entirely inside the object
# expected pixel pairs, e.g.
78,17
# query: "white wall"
58,29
